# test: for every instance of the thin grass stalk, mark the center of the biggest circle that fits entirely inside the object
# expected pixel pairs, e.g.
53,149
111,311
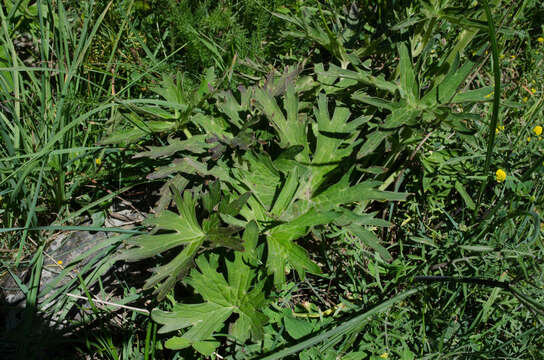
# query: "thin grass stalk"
30,216
496,100
15,77
147,339
72,228
32,297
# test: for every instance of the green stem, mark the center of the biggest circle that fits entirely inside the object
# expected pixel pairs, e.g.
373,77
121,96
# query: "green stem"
496,99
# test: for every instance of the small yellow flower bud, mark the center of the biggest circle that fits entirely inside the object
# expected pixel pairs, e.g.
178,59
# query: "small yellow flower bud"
500,175
528,139
384,355
533,90
537,130
540,39
525,99
98,161
512,57
59,262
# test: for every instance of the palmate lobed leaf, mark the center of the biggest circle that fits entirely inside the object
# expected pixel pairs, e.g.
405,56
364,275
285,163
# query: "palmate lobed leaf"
323,209
184,229
239,294
171,230
282,251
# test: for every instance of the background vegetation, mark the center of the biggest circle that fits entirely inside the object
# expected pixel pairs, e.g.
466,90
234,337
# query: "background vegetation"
320,180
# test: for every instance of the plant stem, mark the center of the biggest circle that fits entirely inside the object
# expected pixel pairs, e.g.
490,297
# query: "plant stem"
496,99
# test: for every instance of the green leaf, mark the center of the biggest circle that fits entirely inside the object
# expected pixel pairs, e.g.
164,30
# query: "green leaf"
369,239
186,165
336,195
285,162
444,92
297,328
466,197
374,101
228,104
239,294
195,145
458,122
235,206
287,193
251,238
142,128
373,140
274,114
408,81
291,130
336,139
283,251
359,75
477,248
298,227
183,229
179,183
483,94
402,115
171,230
212,197
260,176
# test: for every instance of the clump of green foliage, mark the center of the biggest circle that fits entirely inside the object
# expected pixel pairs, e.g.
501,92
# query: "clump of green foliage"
373,193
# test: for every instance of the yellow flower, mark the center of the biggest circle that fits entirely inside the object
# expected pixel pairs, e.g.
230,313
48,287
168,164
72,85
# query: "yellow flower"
98,161
59,262
384,355
512,57
528,139
500,175
499,128
537,130
540,39
525,98
533,90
